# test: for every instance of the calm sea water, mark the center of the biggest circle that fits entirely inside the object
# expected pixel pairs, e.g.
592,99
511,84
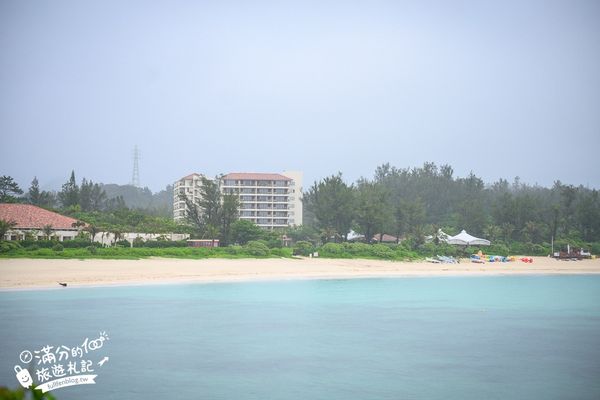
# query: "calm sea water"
420,338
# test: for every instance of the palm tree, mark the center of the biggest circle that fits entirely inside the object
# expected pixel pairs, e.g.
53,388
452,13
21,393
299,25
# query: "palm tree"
117,233
6,226
93,231
47,231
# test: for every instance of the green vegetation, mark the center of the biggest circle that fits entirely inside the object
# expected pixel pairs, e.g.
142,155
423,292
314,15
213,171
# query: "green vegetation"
9,190
213,214
413,203
24,394
409,204
10,249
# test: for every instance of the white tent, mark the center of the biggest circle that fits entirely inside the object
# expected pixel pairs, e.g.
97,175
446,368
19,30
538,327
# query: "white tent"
464,239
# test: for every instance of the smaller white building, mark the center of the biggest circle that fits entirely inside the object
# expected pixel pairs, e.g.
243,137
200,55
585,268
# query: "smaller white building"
108,238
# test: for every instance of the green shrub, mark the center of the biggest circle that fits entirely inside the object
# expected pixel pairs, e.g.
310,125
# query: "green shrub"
303,248
499,249
332,250
282,252
41,244
272,239
257,248
92,249
7,246
233,250
358,249
76,244
382,251
58,247
402,253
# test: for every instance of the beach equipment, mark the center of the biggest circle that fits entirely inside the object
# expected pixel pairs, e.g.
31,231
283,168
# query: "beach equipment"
475,258
447,260
464,239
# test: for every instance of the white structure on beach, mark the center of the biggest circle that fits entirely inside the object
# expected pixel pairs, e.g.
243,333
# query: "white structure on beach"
108,238
270,200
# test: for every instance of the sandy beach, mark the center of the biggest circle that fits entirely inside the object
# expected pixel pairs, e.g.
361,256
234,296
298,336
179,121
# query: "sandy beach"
35,273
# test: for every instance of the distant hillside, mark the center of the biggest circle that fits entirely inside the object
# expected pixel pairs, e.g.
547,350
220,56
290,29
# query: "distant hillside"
160,203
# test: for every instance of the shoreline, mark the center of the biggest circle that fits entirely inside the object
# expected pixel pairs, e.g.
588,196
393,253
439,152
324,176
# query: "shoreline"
42,274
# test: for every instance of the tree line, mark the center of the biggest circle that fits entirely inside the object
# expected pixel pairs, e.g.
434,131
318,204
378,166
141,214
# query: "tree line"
415,202
89,202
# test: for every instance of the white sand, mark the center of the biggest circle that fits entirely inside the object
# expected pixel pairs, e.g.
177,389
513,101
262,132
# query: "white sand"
30,273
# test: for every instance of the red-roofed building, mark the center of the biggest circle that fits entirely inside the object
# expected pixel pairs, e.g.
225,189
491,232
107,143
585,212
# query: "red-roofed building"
253,176
30,220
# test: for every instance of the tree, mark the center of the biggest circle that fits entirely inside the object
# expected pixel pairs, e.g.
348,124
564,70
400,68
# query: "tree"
116,204
117,234
409,218
39,198
244,231
331,201
205,209
47,229
6,226
303,233
9,189
92,230
69,195
212,213
373,210
91,196
212,232
228,215
34,195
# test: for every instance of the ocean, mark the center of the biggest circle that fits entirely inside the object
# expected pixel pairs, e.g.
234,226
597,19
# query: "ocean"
526,337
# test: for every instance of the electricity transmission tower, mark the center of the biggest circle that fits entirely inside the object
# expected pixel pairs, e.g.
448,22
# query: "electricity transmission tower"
135,178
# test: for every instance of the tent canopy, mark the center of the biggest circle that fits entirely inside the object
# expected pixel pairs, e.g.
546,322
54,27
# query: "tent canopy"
464,239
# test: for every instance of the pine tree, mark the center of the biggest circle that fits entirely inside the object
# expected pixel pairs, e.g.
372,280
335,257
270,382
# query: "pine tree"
34,194
8,189
69,195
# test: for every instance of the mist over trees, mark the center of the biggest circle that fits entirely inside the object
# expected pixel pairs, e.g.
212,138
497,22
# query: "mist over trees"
414,202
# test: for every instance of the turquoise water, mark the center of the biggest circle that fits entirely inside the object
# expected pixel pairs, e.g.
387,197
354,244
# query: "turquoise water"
532,337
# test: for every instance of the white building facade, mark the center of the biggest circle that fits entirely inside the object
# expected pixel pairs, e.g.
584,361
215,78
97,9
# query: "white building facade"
190,187
269,200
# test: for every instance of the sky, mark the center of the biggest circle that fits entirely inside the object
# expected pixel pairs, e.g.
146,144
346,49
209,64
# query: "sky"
500,88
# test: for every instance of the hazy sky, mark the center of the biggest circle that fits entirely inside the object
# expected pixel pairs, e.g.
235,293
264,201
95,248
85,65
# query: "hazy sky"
502,88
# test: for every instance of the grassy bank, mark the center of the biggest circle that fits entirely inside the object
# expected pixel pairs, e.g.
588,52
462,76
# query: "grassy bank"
259,249
251,250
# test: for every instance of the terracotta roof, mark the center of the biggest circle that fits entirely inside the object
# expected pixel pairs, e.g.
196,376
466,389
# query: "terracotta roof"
191,176
33,217
386,238
252,176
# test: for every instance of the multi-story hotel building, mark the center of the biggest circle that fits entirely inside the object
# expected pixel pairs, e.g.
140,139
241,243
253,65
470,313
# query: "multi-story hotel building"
189,186
269,200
